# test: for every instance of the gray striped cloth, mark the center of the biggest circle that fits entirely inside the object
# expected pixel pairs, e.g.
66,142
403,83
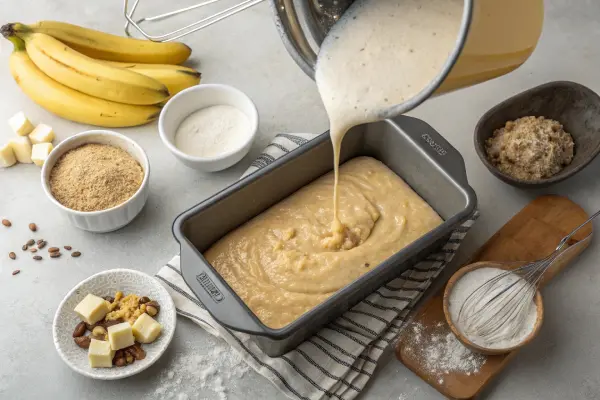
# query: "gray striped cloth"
340,359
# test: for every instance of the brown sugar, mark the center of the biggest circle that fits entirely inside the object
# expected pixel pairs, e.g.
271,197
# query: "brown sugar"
530,148
95,177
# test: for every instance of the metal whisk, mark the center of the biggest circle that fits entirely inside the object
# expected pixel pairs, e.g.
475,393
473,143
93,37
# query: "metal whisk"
186,30
498,309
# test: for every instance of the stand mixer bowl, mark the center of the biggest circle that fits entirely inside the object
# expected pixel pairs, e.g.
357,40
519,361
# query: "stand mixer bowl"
304,24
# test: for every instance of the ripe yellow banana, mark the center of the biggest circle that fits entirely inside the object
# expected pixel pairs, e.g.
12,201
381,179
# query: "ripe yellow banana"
71,104
104,46
174,77
90,76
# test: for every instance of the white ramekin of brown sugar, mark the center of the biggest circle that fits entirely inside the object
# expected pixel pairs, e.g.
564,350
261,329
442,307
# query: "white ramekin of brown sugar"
97,207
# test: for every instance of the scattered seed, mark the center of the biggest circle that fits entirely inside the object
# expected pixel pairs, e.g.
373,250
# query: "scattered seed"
33,250
40,241
16,271
68,248
41,244
53,249
37,258
30,242
367,265
75,254
12,255
24,248
55,254
32,227
6,223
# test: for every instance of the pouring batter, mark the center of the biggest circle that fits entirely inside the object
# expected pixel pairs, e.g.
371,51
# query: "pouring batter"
292,257
380,54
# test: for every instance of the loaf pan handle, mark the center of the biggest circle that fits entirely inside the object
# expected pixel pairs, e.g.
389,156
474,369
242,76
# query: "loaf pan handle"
434,145
216,296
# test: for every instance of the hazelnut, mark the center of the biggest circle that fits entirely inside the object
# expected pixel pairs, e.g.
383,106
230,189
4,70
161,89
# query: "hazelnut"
129,358
99,331
151,307
151,311
144,300
120,362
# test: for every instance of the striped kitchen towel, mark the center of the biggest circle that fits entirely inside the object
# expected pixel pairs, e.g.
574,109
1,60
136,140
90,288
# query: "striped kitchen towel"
340,359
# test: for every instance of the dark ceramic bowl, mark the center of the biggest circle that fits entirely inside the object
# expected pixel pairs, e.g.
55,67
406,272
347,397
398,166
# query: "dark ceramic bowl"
573,105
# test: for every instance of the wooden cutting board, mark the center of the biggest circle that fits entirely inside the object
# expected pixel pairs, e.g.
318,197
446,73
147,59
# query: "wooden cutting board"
530,235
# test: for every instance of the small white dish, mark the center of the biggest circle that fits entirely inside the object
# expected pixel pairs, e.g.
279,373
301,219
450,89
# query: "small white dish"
107,283
113,218
196,98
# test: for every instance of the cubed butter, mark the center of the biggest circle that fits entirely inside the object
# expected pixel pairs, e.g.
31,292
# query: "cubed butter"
146,329
42,134
21,146
120,336
40,152
20,124
7,156
92,309
100,354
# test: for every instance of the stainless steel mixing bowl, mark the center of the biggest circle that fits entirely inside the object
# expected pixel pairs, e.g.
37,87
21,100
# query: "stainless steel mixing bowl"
295,18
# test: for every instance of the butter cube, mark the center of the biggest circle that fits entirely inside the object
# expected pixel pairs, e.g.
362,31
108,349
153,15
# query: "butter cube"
92,309
40,152
20,124
120,336
22,148
100,354
7,156
42,134
146,329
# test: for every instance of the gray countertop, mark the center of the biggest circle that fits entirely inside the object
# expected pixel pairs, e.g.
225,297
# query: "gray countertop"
246,52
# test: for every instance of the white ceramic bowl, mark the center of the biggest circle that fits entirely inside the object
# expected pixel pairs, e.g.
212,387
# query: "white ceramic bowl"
196,98
112,218
107,283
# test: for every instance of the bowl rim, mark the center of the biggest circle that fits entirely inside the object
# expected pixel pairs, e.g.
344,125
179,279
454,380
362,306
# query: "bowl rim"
254,121
132,371
479,143
60,151
461,336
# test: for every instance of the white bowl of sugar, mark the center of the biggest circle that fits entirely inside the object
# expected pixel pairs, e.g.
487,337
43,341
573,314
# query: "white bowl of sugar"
209,127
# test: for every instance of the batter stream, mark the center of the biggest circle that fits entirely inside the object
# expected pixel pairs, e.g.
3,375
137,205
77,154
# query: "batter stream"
292,257
286,261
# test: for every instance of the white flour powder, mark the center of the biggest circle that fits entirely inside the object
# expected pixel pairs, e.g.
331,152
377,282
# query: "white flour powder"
213,371
467,284
441,353
212,131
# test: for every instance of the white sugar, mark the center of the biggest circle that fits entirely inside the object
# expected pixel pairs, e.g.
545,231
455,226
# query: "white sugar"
471,281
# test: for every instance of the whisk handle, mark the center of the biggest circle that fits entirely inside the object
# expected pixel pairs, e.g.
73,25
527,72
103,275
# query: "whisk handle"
564,240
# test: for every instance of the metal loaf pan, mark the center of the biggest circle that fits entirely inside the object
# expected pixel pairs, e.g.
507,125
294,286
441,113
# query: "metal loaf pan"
408,146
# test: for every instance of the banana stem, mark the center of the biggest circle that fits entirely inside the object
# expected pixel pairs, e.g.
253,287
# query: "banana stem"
18,43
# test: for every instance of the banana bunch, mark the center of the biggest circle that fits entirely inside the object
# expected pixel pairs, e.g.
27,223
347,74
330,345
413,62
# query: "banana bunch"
94,77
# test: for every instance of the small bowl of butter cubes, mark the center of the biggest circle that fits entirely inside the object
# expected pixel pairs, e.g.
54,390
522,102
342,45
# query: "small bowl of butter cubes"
114,324
30,144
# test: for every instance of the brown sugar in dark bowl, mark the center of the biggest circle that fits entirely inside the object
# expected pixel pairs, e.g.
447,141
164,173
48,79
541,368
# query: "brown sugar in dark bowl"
575,106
